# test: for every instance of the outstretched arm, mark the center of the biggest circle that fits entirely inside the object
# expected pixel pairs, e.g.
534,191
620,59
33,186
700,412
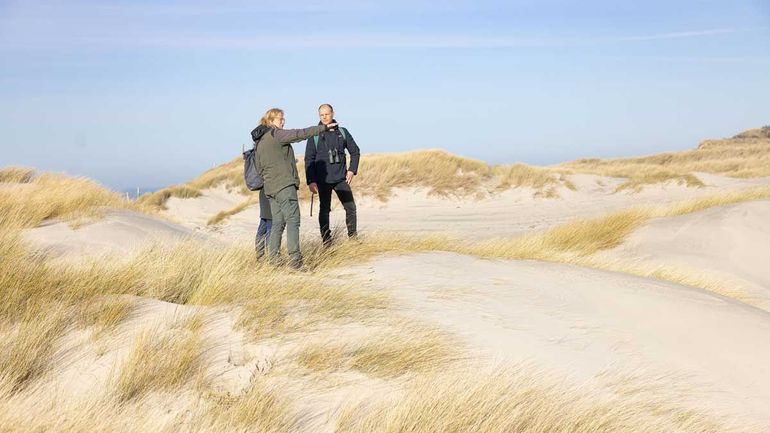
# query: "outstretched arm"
287,136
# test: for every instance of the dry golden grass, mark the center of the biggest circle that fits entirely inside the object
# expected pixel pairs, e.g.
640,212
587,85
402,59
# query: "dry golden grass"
261,409
48,196
17,174
158,199
521,401
635,184
105,314
544,180
159,362
406,348
745,155
27,355
440,172
222,216
714,200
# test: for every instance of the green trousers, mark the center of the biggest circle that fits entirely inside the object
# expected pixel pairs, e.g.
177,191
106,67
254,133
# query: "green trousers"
284,206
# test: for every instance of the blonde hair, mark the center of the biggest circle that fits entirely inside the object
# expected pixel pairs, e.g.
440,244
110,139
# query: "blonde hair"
270,115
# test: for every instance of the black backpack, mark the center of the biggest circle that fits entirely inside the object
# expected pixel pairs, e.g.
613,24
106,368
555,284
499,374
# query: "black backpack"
251,173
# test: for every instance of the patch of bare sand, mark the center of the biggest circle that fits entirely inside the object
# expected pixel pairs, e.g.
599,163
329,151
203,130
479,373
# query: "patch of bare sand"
733,241
118,232
584,323
195,212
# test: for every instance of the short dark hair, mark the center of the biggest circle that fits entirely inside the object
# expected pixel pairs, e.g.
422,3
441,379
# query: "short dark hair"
325,105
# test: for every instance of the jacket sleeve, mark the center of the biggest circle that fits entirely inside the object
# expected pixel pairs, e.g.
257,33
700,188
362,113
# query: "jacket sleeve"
287,136
355,152
310,152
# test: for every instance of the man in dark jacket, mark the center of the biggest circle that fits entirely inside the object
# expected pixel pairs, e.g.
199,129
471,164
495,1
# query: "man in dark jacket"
326,170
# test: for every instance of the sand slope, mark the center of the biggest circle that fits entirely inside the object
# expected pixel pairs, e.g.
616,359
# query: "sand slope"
730,240
583,322
118,232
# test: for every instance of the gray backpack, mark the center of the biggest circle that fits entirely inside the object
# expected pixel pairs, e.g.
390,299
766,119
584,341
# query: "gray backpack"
251,174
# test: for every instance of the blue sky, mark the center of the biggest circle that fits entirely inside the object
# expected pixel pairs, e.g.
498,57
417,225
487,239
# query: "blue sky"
139,93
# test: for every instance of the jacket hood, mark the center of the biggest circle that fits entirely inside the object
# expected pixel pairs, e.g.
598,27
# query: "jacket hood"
258,132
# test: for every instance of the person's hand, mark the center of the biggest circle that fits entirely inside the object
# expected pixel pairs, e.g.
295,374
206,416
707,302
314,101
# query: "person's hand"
349,177
331,126
313,188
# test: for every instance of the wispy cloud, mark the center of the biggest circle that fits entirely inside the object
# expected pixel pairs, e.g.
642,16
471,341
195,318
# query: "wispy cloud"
686,34
238,24
191,40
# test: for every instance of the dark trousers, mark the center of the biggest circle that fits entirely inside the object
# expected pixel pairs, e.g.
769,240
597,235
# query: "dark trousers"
263,233
345,194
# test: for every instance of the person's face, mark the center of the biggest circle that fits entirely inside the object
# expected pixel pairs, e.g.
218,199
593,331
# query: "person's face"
326,115
279,121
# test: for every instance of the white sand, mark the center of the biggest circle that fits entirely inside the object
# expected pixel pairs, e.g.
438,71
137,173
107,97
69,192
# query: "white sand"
731,240
583,322
195,212
118,232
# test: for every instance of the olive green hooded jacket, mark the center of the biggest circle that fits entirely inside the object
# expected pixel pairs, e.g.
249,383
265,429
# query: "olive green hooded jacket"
275,156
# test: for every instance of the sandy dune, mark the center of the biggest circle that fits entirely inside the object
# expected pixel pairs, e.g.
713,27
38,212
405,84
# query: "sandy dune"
415,211
195,212
119,232
730,240
584,323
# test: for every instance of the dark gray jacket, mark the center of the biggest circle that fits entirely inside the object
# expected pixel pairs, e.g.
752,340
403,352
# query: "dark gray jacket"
318,168
275,156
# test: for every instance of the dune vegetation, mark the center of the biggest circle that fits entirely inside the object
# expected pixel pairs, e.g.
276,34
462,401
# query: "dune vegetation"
443,174
520,399
744,155
439,172
28,198
45,304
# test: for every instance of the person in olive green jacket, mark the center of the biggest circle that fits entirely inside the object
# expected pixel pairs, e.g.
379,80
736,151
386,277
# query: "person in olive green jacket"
278,166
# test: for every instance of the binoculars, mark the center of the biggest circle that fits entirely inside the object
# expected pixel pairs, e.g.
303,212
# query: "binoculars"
334,156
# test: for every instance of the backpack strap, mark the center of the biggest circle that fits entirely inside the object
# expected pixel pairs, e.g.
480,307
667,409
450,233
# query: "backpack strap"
344,133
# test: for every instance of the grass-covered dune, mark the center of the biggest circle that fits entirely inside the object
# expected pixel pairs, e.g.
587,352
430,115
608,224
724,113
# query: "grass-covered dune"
442,173
744,155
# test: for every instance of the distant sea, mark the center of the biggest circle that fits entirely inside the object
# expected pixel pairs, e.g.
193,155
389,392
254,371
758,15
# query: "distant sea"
132,192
